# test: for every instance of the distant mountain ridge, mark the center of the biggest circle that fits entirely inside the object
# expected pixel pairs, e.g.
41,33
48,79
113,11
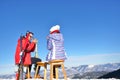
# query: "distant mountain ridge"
91,71
96,68
81,72
114,74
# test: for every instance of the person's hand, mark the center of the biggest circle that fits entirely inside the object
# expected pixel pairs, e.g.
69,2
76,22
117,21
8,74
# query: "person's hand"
35,40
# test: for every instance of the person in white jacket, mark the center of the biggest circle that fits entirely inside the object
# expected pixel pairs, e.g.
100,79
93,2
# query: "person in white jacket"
55,45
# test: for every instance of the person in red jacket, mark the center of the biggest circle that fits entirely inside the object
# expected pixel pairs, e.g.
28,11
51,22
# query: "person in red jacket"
27,45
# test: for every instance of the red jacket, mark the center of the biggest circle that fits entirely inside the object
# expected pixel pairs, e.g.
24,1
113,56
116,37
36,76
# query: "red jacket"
28,47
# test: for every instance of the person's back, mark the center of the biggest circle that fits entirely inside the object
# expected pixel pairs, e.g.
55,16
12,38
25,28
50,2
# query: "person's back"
55,43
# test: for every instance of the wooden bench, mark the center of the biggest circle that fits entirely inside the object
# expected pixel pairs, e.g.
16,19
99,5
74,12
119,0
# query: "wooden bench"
41,64
57,63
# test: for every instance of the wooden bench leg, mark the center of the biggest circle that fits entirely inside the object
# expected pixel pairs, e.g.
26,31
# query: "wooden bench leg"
28,72
45,70
56,72
51,71
64,72
36,72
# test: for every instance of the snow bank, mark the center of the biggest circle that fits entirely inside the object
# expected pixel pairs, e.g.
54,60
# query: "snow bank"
67,79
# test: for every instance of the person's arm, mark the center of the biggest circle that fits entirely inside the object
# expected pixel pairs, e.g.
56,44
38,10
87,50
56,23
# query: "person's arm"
49,44
30,47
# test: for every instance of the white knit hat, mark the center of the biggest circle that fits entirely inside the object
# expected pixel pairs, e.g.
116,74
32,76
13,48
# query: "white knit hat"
53,28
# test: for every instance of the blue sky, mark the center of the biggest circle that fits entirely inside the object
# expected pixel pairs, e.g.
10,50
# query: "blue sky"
91,29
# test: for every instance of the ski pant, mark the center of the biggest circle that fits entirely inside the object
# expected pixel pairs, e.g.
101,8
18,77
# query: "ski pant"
55,71
34,61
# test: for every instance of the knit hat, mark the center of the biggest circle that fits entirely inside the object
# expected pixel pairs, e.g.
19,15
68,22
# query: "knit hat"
54,28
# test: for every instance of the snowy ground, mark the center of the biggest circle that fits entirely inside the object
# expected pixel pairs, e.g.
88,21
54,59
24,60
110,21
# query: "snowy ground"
67,79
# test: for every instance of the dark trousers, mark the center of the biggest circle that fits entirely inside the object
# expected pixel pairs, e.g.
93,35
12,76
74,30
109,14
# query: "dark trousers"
58,66
34,61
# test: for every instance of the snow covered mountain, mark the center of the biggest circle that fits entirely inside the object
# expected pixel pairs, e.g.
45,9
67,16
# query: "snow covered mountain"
81,72
91,71
96,68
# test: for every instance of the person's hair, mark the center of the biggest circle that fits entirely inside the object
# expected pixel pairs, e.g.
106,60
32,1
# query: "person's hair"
29,32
